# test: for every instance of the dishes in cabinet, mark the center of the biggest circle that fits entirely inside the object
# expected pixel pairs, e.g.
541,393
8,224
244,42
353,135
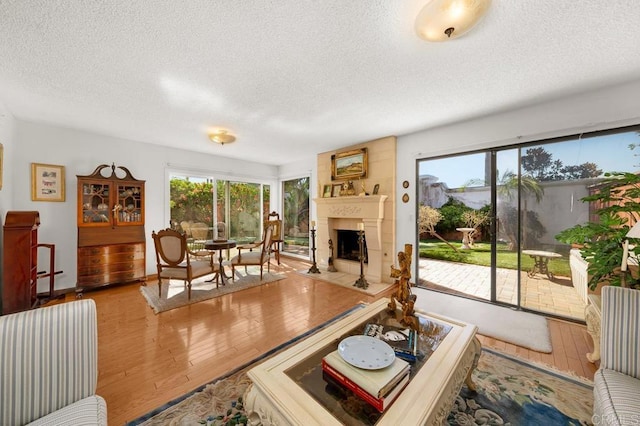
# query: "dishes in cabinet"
102,206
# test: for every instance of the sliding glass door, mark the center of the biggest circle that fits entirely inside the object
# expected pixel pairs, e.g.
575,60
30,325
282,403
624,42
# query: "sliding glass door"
489,219
206,208
454,209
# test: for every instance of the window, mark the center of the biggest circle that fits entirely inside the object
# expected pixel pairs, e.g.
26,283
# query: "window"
295,220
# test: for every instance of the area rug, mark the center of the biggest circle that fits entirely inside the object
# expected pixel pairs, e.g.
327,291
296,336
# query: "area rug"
509,325
174,295
347,280
509,391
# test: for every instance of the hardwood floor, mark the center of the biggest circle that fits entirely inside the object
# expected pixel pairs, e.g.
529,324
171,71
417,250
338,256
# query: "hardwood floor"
146,360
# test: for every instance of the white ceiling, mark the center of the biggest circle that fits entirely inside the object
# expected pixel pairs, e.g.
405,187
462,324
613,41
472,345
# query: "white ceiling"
293,78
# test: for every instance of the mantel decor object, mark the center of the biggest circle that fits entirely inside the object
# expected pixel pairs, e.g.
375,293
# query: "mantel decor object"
349,165
335,189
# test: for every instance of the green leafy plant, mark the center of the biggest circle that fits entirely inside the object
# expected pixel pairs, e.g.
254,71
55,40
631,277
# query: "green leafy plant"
602,241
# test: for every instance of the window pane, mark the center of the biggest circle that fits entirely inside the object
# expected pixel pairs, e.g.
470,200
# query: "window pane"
296,216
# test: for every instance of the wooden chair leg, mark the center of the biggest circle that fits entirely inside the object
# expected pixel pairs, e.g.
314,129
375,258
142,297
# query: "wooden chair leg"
159,287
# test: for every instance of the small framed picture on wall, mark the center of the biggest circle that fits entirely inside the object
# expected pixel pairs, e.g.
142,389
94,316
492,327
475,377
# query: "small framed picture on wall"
47,182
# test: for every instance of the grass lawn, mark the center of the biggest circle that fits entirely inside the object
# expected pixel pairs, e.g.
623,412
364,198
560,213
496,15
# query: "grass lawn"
480,254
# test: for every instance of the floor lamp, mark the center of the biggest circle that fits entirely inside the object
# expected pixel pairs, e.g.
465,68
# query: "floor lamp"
634,232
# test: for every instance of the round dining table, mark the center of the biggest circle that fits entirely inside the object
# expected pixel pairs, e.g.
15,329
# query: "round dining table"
220,245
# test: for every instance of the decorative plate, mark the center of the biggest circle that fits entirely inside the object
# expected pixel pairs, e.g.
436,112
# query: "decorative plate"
366,352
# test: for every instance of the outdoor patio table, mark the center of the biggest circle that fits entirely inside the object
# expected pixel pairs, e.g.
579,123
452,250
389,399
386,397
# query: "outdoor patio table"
541,262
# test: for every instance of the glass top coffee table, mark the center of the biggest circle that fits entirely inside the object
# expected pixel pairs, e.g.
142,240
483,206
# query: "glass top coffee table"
289,388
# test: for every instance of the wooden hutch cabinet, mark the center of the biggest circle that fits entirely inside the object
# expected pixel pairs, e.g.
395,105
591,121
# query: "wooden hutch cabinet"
111,237
20,280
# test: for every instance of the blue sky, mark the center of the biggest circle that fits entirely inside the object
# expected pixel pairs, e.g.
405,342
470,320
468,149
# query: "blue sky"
609,152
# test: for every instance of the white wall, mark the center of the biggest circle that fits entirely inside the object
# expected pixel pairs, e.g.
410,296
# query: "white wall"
7,139
603,109
81,152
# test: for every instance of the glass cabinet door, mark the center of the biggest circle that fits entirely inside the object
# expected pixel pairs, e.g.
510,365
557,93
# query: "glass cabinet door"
129,205
96,207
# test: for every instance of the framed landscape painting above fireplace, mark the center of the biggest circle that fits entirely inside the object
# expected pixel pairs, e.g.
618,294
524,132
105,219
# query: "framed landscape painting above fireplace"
349,165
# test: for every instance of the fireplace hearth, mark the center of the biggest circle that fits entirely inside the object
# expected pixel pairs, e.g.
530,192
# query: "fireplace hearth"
348,246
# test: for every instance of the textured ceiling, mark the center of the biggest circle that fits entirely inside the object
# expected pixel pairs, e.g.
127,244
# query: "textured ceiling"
292,78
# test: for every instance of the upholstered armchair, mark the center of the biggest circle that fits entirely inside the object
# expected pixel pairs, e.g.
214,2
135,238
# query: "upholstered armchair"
254,254
175,260
617,381
49,366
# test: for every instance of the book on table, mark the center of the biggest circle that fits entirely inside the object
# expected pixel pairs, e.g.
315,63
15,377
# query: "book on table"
377,383
403,340
338,381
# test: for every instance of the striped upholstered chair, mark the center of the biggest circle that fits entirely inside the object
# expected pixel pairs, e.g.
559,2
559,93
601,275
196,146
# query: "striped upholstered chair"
617,381
49,366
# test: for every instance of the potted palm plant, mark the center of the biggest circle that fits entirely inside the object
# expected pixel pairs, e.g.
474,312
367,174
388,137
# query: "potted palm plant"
618,201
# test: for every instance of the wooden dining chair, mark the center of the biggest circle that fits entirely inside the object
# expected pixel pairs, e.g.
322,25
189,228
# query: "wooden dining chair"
175,260
275,222
254,254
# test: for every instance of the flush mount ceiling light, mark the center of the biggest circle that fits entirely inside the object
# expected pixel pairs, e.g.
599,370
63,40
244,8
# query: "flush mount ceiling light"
441,20
221,136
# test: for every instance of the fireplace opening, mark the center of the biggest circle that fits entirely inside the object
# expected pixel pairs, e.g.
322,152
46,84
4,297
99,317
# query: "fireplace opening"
348,247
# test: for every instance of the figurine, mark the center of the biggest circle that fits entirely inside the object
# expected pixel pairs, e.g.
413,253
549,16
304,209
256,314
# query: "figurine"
331,268
363,191
403,292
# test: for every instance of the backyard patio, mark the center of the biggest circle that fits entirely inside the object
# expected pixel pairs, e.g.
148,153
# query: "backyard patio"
557,297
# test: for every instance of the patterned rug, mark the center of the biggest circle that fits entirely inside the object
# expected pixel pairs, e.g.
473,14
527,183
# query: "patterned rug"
509,392
174,295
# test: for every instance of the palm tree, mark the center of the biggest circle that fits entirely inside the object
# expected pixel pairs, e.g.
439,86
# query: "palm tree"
507,188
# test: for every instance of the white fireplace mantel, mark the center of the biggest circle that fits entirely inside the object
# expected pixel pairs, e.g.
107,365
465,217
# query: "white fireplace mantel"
346,213
356,207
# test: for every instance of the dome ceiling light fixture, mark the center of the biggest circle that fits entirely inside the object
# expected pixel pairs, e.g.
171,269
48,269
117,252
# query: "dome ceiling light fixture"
441,20
221,136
